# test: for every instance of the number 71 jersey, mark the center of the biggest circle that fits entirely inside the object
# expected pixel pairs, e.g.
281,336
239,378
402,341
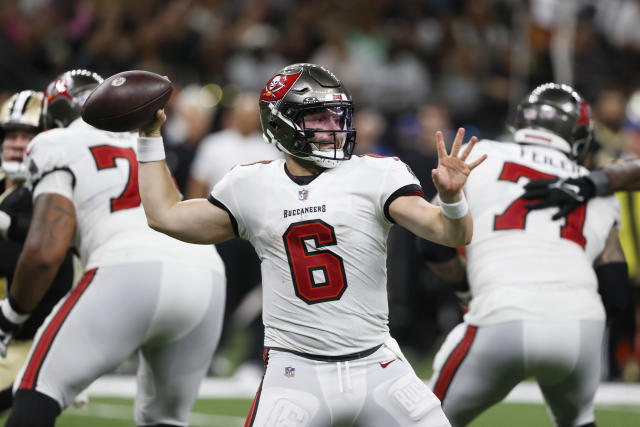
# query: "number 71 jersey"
522,264
322,245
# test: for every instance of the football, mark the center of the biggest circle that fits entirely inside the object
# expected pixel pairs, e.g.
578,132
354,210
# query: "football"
126,101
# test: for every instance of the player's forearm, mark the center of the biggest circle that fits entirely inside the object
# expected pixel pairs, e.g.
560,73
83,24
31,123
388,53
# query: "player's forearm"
158,194
34,275
45,249
456,232
623,176
428,222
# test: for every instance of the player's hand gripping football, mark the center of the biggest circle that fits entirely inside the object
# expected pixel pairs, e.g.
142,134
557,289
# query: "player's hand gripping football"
10,323
152,128
453,170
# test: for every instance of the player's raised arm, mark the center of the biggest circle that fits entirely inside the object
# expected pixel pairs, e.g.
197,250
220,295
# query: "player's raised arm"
450,224
195,220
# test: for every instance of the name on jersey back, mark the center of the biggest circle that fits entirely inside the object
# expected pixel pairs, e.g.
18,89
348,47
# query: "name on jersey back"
556,162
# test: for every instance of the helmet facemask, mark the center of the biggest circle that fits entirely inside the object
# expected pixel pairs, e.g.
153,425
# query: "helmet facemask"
21,113
311,117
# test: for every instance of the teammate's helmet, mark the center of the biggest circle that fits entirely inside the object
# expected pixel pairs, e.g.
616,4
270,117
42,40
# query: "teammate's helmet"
21,111
65,95
294,93
555,115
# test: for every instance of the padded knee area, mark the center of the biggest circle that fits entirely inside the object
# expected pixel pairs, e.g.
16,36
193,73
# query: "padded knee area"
33,409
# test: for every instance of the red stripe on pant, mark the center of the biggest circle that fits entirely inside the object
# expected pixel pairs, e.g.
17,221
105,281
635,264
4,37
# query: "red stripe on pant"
453,362
252,412
44,344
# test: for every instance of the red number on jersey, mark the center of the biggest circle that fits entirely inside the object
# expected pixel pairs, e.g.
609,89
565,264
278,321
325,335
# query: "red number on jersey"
514,218
317,276
105,156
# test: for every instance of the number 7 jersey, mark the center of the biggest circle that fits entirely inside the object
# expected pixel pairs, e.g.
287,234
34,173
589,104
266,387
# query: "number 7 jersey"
111,227
524,265
322,246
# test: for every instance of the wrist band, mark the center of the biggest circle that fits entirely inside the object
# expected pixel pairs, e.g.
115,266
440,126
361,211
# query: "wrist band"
11,314
455,210
150,149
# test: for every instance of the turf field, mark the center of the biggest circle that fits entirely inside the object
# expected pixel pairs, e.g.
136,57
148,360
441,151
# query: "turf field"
118,412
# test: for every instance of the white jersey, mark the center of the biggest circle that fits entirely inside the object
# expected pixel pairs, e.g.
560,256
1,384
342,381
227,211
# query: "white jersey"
522,265
322,246
111,227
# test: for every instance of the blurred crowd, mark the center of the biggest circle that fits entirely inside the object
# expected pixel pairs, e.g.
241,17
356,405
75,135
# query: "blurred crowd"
413,67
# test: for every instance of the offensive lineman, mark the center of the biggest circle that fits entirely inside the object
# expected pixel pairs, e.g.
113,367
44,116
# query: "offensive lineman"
19,123
141,291
319,221
535,309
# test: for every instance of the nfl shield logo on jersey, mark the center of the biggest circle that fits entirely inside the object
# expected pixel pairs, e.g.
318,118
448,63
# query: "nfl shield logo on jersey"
303,194
289,371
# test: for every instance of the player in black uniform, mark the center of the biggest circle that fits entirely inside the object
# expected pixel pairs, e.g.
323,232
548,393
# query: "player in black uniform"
19,122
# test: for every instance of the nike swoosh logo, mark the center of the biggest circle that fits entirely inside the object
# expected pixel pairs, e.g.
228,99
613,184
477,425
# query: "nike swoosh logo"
384,365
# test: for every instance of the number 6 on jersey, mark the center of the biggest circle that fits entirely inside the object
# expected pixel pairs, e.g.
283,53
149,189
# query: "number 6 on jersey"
317,276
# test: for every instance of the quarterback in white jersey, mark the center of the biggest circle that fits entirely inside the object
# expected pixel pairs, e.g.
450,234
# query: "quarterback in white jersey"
535,307
142,291
319,221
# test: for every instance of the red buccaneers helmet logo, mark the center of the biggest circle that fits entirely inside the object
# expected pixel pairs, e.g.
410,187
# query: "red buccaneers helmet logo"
278,86
585,114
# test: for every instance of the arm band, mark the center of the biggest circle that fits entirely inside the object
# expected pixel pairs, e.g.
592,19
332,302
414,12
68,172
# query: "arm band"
613,287
455,210
150,149
11,313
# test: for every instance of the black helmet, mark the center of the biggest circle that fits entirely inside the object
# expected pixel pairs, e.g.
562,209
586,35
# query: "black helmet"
296,92
21,111
65,95
555,115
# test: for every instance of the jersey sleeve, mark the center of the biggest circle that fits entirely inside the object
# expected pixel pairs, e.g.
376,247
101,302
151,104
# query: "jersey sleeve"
46,154
56,182
224,196
399,180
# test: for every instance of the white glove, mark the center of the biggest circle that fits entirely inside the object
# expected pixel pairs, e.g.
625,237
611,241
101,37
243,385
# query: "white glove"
5,223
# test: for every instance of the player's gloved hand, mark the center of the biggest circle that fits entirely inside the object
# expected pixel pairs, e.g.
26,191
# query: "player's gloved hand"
5,223
567,194
10,323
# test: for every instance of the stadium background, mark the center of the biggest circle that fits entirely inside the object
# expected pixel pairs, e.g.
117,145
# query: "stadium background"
411,66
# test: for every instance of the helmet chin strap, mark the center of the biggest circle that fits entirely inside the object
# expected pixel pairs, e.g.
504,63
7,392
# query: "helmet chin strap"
16,171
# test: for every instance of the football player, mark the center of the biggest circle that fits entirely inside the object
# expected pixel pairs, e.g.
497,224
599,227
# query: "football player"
142,292
535,309
569,193
19,123
319,221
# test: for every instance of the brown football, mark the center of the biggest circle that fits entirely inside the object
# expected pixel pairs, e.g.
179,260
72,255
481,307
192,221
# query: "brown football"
126,101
